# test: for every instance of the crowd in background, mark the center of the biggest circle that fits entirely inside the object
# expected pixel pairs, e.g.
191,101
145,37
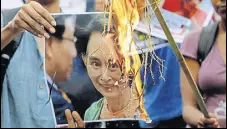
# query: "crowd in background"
169,103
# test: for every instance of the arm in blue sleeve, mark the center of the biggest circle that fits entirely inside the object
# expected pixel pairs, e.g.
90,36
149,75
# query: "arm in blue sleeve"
2,22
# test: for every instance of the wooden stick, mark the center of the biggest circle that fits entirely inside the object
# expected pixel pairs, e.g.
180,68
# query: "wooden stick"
180,57
110,15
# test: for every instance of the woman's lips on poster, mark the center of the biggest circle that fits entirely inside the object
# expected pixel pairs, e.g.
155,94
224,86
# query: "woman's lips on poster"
110,85
107,85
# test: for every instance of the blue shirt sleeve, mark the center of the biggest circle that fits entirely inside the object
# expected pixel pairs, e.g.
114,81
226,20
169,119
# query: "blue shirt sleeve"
2,22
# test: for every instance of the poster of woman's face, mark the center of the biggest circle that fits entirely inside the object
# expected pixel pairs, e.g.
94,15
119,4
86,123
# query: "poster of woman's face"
84,72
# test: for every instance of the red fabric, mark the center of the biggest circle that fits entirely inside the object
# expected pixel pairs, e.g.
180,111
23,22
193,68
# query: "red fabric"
172,5
181,7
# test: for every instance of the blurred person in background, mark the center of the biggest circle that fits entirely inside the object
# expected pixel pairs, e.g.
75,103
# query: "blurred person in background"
16,97
61,45
209,73
162,98
24,97
68,95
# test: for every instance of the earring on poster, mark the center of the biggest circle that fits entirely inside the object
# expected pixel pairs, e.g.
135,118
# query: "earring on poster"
123,83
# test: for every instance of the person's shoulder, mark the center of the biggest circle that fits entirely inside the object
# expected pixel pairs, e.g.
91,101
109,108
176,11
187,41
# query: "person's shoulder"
193,34
2,21
12,10
189,47
192,38
7,15
93,109
95,106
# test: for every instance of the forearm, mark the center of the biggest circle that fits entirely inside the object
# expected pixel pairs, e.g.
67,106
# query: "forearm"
192,115
7,35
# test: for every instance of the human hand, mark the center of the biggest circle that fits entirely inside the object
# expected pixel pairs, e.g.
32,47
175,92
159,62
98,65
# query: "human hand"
33,18
74,119
211,122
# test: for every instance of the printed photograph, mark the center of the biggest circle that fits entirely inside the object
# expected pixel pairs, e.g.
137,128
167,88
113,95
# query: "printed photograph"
86,71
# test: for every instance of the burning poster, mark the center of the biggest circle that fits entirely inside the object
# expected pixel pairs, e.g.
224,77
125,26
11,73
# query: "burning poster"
88,71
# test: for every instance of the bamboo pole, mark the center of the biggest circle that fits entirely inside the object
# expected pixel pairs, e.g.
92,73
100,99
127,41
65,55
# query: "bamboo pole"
110,15
180,57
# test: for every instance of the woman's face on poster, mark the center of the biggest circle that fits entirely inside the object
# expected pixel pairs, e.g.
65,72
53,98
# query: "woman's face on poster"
101,62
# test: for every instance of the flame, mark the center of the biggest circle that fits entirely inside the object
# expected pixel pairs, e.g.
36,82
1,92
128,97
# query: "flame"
127,14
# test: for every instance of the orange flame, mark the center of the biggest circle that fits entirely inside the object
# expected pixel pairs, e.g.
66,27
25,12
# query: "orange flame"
126,14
